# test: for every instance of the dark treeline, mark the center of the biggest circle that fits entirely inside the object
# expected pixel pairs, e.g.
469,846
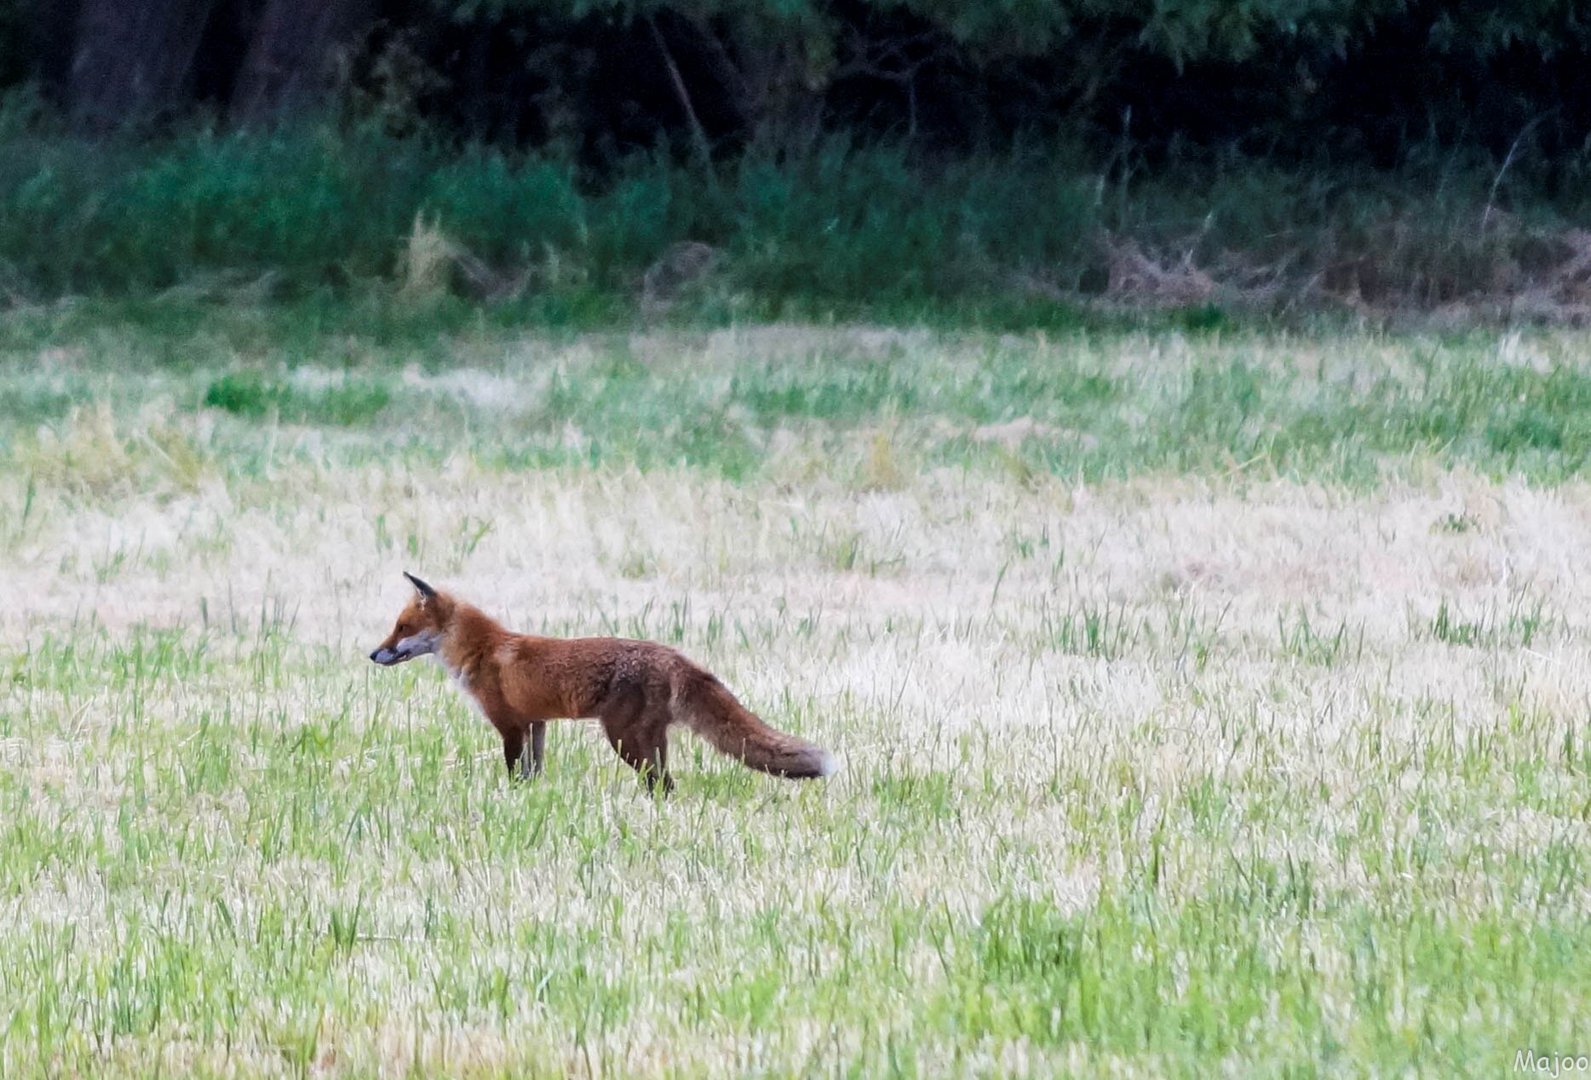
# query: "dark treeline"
1356,81
769,155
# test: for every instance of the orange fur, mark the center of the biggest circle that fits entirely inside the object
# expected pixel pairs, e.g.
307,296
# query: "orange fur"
637,689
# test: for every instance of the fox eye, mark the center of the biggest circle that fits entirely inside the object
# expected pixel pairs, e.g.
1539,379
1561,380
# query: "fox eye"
403,628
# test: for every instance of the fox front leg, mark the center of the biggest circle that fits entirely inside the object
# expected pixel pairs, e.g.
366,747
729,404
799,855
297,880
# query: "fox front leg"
513,750
538,747
523,766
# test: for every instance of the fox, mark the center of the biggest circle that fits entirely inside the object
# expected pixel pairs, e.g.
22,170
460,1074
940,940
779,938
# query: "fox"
636,689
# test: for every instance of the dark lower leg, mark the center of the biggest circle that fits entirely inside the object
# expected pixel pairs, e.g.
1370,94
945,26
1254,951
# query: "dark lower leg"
513,747
643,748
652,763
538,747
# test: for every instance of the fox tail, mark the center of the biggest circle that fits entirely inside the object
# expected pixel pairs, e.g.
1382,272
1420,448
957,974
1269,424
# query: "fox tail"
707,707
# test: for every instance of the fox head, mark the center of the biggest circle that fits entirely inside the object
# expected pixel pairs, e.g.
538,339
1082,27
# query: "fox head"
420,626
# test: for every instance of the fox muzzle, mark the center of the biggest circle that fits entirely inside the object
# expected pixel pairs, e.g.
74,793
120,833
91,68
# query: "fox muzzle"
421,644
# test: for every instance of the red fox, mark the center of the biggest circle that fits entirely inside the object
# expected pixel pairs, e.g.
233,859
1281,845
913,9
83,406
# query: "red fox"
635,688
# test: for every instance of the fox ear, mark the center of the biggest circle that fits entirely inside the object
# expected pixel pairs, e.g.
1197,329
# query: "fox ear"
425,591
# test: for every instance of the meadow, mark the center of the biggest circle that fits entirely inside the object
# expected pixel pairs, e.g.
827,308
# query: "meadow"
1209,700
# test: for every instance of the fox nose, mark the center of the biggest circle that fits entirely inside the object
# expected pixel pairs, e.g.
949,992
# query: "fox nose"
376,654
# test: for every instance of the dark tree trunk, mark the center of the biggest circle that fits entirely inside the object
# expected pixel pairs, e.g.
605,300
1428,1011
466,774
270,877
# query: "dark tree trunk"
132,58
289,62
772,81
36,44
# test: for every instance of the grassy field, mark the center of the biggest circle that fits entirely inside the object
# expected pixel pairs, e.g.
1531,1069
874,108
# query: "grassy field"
1206,702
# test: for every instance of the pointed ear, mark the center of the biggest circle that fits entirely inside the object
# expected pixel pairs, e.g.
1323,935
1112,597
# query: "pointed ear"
425,591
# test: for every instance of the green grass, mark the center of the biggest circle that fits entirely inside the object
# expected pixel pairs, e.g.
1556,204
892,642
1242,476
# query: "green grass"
1206,702
1095,403
1016,239
251,395
305,209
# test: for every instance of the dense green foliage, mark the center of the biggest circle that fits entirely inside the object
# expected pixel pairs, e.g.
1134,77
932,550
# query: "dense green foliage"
825,156
307,209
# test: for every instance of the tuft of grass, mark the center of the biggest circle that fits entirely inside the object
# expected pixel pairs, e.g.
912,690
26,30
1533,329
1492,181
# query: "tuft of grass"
93,453
882,469
1298,637
1103,630
1520,623
252,395
1457,524
426,263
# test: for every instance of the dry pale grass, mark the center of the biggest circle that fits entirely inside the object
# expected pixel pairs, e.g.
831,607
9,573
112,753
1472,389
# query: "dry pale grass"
1142,711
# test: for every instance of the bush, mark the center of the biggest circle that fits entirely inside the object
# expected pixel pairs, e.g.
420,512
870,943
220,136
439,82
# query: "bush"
314,209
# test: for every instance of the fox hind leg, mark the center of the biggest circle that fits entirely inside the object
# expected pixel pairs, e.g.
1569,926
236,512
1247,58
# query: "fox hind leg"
641,739
648,756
